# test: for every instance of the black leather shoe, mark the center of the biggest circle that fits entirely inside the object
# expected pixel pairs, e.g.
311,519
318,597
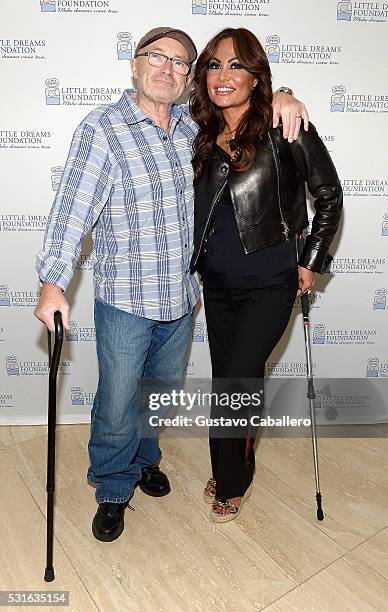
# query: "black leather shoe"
154,482
108,523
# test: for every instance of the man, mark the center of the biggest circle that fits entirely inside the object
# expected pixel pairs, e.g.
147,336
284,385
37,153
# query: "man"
129,177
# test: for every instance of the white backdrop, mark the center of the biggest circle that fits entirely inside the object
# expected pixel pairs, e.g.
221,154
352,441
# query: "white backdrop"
61,58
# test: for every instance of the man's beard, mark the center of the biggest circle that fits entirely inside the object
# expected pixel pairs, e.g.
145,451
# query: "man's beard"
167,92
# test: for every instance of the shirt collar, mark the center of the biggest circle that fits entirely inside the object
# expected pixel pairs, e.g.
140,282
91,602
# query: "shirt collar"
133,114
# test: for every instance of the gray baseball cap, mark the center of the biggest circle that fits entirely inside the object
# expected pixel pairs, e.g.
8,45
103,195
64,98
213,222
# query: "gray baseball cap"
178,35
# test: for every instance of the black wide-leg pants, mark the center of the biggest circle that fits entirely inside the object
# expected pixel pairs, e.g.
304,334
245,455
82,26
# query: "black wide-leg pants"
244,326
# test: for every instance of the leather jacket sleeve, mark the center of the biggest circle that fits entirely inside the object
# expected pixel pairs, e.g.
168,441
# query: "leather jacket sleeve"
317,169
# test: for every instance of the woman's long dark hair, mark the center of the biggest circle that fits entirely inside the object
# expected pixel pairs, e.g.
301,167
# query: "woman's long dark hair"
255,122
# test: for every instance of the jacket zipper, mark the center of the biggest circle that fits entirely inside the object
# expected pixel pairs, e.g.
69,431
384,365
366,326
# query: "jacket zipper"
238,229
213,205
286,229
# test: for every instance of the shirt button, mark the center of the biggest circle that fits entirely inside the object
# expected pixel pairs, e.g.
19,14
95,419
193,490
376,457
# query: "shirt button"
183,218
164,137
185,245
149,121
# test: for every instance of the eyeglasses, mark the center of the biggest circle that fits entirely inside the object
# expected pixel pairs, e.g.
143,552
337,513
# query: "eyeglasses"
159,60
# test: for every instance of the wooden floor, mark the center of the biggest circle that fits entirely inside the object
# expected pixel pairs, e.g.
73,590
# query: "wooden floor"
275,557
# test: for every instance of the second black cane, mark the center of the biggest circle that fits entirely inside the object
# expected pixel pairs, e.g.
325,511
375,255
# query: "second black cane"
54,357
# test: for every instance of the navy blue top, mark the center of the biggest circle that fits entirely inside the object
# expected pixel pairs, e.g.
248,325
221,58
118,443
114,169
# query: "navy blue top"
225,264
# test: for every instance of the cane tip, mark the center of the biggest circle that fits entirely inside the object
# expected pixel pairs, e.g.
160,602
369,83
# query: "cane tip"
320,515
49,575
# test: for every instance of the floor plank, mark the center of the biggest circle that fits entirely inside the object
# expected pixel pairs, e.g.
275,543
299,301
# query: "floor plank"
348,585
276,556
353,483
170,553
13,434
23,544
374,552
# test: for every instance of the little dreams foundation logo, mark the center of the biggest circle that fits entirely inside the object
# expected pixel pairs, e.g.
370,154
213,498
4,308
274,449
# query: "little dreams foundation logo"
380,299
15,366
322,335
81,398
22,49
52,92
358,265
315,300
6,400
48,6
55,95
22,223
376,368
25,139
125,46
190,368
230,8
342,101
362,11
16,298
365,187
56,176
200,332
102,7
301,52
80,334
4,296
287,368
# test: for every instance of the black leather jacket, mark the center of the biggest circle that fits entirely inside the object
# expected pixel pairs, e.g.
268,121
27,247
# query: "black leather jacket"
269,199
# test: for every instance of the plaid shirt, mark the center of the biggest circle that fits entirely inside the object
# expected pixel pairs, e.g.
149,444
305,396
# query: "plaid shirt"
132,183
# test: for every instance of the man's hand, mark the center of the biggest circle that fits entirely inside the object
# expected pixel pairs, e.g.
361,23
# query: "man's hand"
306,280
52,299
292,112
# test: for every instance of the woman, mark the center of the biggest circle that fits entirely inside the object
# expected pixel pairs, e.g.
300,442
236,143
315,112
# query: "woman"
250,210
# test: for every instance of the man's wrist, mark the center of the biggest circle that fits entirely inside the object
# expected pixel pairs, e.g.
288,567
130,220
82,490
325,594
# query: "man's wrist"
50,287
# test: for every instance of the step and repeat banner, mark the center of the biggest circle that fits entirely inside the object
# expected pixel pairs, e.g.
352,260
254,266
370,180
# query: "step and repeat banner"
61,58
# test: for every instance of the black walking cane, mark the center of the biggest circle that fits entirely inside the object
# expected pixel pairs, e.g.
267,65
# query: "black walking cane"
305,306
49,575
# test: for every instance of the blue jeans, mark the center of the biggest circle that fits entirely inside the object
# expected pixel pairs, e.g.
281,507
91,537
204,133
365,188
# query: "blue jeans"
129,348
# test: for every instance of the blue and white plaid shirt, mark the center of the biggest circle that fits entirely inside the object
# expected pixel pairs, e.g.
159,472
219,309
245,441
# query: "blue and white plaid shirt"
133,184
